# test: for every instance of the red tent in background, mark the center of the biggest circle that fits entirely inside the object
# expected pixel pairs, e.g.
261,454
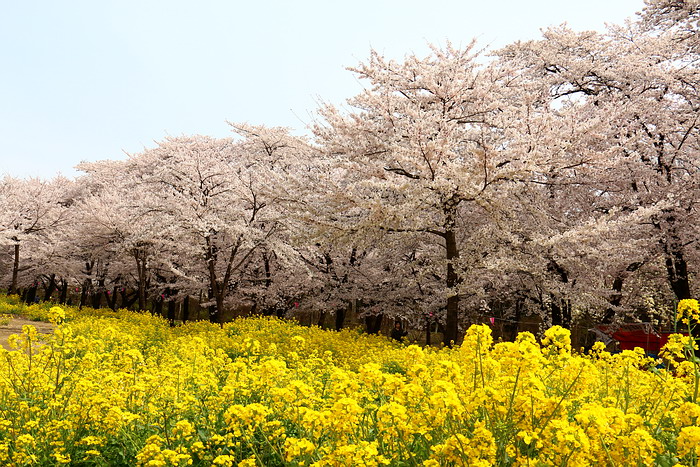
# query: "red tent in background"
631,335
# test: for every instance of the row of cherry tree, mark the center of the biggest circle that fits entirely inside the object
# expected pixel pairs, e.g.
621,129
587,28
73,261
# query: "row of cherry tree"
559,177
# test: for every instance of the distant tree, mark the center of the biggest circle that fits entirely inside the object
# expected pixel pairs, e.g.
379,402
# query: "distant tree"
219,207
30,212
117,220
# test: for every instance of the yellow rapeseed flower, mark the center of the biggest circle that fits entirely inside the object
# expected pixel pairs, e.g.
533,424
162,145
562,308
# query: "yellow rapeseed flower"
689,440
688,309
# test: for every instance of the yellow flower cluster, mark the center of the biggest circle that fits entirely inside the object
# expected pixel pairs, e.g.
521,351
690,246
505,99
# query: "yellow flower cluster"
45,311
688,309
127,389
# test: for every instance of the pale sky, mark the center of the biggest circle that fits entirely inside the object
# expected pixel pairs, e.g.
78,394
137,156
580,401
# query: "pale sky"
95,79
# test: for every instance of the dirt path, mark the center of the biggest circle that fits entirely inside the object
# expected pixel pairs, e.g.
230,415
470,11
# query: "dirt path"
15,327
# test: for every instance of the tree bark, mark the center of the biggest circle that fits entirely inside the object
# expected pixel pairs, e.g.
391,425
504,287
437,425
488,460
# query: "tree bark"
171,312
216,290
677,269
87,283
340,318
84,293
452,318
158,306
616,296
96,301
676,265
219,317
141,272
614,300
64,292
321,323
31,294
373,323
50,288
112,298
428,326
15,270
185,308
512,327
97,297
560,310
128,299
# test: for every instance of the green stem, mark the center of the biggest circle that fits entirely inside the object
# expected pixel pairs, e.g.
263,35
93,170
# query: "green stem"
696,370
563,397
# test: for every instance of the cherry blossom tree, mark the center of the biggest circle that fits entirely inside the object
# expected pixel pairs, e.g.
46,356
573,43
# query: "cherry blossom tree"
640,88
30,212
220,207
282,170
432,142
115,221
681,18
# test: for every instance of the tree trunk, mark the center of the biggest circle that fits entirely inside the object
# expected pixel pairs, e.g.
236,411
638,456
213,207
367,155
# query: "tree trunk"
561,312
428,326
219,318
215,310
31,294
185,309
50,288
566,314
213,317
512,328
87,284
158,306
321,320
64,292
677,269
141,271
614,300
171,312
452,318
112,298
555,311
216,290
128,299
559,309
340,318
97,297
616,296
15,270
268,271
373,323
676,265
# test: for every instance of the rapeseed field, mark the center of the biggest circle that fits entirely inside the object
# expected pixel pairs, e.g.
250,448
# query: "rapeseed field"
123,388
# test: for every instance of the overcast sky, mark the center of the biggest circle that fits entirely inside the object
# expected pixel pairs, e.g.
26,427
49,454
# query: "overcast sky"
95,79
